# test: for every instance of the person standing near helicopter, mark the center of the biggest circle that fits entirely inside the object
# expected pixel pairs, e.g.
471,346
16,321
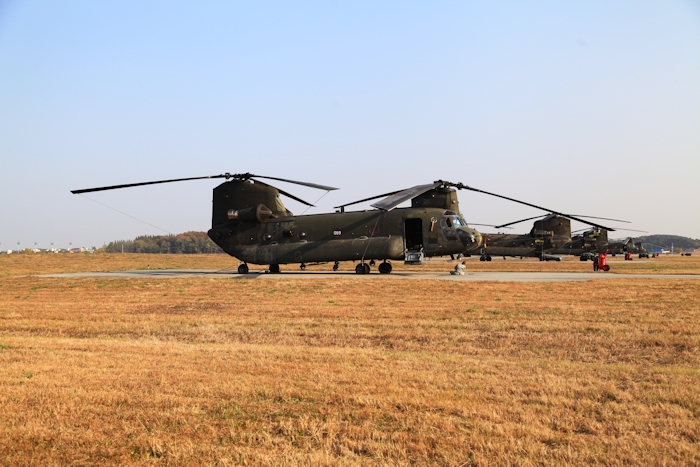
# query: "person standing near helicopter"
595,263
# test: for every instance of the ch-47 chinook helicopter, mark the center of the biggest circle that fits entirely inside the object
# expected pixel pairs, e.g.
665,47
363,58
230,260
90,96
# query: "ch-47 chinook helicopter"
550,237
251,223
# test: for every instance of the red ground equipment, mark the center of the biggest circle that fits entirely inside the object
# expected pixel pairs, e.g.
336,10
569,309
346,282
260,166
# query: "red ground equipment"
602,264
628,256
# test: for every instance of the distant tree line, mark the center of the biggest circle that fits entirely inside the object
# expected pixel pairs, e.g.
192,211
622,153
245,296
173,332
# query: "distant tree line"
199,242
685,243
186,243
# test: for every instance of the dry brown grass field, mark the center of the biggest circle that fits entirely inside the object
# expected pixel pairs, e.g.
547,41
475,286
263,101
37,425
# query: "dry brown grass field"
218,371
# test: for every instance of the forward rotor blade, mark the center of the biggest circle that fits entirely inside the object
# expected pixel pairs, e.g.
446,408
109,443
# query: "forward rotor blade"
399,197
461,185
518,222
368,199
115,187
312,185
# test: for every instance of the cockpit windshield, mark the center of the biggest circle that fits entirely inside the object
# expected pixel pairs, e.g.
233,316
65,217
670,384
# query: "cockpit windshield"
451,221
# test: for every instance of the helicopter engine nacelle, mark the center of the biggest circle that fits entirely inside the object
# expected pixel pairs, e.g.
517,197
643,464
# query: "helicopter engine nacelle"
259,213
554,225
241,200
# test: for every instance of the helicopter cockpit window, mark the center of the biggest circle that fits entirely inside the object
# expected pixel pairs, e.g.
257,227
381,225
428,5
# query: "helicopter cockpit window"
458,222
448,222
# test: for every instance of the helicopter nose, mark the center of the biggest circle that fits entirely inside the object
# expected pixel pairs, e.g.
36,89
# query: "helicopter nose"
469,239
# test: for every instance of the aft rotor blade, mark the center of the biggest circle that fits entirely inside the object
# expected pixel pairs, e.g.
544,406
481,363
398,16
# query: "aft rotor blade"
518,222
601,218
312,185
368,199
115,187
399,197
288,195
460,185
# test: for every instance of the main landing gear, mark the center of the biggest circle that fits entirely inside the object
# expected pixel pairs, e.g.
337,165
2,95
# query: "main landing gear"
243,269
336,265
274,268
485,258
364,268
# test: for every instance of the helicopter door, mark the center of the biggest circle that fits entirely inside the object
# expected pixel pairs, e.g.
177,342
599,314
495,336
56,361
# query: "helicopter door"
413,236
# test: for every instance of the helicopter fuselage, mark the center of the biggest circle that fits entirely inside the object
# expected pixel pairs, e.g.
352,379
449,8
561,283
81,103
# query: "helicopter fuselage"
347,236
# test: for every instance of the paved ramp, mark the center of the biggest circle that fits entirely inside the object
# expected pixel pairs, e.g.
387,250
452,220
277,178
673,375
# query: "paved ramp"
398,275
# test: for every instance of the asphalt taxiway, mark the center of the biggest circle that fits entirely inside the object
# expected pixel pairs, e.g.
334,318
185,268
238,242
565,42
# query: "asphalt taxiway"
397,275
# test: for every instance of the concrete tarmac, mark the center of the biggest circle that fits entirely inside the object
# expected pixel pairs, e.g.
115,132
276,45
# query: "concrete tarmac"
398,275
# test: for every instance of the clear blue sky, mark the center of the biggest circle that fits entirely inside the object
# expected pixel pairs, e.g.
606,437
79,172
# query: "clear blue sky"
589,107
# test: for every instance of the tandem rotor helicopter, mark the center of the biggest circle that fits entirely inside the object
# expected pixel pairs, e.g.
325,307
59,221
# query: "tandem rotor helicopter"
551,236
250,222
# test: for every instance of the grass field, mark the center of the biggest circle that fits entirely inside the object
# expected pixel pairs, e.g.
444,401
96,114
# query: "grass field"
354,372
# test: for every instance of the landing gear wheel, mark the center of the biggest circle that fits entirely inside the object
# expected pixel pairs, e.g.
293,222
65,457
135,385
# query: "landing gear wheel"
302,266
482,258
372,263
274,268
336,265
362,269
385,268
488,258
243,269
